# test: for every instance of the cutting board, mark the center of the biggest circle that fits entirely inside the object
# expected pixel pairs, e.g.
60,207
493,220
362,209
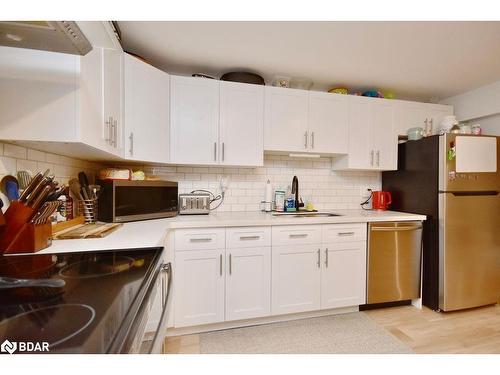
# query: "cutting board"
94,230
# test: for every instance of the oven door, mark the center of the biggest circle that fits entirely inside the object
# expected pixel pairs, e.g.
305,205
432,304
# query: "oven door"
139,342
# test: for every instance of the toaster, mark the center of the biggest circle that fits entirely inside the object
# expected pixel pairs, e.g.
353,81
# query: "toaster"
194,204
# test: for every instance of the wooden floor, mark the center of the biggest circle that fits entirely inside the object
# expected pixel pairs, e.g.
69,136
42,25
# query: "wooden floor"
425,331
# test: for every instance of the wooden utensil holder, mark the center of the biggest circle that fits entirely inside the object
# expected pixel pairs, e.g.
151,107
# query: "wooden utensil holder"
20,236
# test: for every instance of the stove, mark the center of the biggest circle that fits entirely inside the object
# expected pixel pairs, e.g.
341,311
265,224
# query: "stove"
96,305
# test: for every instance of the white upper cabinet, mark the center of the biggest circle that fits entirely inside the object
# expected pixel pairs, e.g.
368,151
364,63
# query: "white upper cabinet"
38,92
305,121
194,120
328,123
62,98
146,111
241,124
101,99
411,114
372,140
285,119
384,139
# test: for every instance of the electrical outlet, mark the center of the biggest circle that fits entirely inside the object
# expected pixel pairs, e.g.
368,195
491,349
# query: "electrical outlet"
224,183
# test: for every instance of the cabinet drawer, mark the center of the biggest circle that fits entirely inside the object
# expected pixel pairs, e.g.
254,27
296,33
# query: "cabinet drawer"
248,237
296,234
344,233
200,239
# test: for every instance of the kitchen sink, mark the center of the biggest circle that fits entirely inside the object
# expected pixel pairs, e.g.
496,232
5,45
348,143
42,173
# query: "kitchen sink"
306,214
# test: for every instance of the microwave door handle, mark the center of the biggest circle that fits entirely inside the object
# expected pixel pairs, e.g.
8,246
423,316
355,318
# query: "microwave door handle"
159,337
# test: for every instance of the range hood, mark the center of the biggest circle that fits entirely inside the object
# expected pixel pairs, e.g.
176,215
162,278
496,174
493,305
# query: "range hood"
55,36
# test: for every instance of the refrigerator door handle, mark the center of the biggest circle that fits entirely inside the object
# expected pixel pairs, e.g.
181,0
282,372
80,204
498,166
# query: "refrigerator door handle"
471,193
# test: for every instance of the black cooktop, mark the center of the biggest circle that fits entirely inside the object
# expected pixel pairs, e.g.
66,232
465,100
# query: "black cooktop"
81,302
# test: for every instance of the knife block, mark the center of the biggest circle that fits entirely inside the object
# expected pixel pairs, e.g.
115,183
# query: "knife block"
20,236
30,238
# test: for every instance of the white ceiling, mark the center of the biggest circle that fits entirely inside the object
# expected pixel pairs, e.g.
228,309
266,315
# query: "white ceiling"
417,60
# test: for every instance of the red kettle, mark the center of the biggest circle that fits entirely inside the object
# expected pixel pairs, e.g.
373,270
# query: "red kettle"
381,200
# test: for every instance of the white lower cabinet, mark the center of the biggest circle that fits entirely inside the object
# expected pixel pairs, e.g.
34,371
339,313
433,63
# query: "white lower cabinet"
251,272
343,275
296,279
248,283
199,287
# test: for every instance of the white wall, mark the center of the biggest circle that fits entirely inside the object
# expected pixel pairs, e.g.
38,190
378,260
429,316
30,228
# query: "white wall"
327,189
490,125
481,102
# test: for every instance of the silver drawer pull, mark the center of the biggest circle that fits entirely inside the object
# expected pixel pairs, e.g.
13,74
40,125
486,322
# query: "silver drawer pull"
302,235
200,239
249,238
346,233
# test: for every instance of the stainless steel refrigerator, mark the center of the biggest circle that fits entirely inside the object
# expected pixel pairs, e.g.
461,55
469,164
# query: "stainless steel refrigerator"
454,180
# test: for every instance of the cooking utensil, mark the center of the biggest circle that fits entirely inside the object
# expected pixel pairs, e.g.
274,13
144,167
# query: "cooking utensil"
12,190
84,184
10,187
75,188
243,77
11,282
24,178
31,186
95,191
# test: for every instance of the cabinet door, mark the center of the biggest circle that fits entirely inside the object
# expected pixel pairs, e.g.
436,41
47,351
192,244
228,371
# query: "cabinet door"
241,124
295,279
38,95
408,115
285,119
112,91
328,123
199,287
435,114
248,283
361,155
343,277
383,136
194,120
146,111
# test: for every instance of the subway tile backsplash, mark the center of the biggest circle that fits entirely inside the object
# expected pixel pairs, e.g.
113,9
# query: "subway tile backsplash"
14,158
326,189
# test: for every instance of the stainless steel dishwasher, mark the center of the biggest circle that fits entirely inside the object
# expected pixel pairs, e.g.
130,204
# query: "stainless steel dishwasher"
394,258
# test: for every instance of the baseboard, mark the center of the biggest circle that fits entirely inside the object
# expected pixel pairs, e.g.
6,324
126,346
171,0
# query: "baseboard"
373,306
257,321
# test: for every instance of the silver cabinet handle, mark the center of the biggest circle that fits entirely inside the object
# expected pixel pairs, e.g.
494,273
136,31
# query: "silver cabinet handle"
220,264
108,123
346,233
302,235
131,138
230,264
305,140
312,139
223,149
115,133
248,238
378,158
319,258
371,158
326,257
200,239
215,151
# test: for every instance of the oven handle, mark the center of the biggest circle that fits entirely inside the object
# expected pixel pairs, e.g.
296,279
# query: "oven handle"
159,337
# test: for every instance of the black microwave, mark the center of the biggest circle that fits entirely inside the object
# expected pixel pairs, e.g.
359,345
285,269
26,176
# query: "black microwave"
122,201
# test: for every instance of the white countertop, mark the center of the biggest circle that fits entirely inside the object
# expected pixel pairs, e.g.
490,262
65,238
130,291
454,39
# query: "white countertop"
151,233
